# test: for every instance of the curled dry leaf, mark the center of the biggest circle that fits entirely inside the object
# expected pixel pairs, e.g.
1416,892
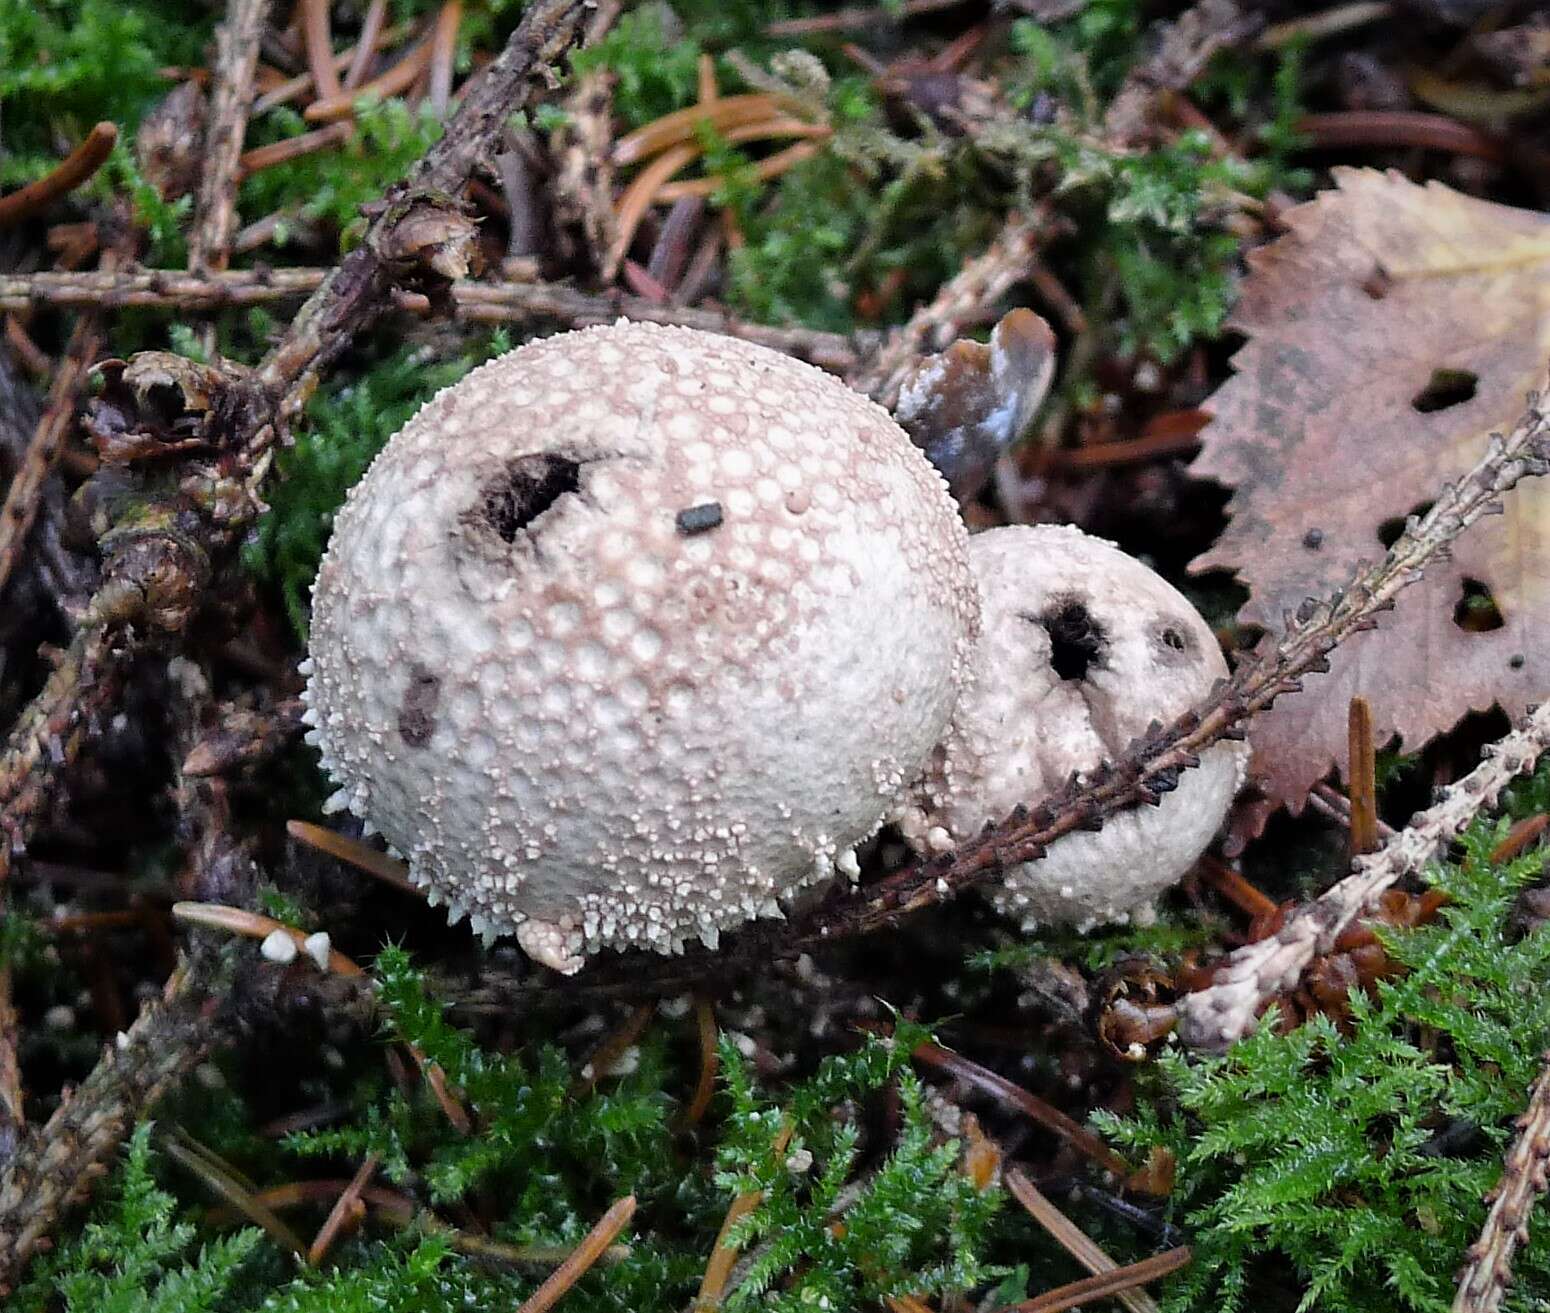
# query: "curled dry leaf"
1389,333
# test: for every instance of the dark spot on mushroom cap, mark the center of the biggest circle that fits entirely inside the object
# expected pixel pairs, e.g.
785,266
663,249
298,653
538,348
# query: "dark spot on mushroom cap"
417,712
1175,643
699,519
525,489
1076,639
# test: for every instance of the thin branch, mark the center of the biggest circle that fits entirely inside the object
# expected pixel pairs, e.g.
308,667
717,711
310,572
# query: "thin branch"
1214,1017
477,302
1487,1271
72,171
24,496
215,211
56,1164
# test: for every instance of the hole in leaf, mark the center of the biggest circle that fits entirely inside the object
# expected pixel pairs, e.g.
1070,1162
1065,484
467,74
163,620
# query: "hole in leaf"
529,486
1446,387
1477,611
1076,639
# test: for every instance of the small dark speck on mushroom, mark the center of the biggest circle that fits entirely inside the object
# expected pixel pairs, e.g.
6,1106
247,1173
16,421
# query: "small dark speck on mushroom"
417,712
1313,539
699,519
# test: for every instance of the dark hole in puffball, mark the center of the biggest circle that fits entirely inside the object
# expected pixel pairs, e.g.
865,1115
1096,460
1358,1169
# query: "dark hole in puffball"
1076,639
527,488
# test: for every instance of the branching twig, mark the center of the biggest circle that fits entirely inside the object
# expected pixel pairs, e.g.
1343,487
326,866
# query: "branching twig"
1487,1271
479,302
1214,1017
56,1164
215,213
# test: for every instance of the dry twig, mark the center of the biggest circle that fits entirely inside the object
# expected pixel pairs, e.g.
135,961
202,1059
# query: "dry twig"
24,495
477,302
55,1164
1214,1017
1487,1271
215,212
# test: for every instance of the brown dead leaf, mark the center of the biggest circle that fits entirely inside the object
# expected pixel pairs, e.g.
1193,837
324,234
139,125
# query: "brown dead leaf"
1389,334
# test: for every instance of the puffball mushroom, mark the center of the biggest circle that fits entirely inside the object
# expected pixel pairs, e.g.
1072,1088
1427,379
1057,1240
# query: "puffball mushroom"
633,632
1082,648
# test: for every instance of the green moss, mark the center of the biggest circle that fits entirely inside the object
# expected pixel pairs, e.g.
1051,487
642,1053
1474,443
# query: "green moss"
1357,1158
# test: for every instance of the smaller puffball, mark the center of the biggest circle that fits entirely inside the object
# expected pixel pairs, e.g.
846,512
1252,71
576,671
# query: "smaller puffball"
1082,648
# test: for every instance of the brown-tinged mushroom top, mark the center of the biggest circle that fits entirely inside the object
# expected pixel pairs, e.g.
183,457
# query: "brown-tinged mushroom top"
634,630
1083,648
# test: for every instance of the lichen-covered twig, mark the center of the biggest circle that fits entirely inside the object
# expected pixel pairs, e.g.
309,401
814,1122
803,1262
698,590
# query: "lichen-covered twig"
1214,1017
55,1164
215,211
479,302
1487,1270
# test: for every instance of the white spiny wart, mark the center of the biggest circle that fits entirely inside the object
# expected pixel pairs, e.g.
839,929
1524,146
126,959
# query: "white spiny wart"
634,632
1082,648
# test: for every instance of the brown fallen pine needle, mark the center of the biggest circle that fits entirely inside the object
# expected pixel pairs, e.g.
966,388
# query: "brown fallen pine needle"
1519,837
293,148
320,47
1109,1284
612,1048
345,1213
1073,1239
189,1154
710,1061
366,44
392,81
1362,778
1029,1104
683,125
1393,128
71,172
443,49
362,856
723,1254
592,1248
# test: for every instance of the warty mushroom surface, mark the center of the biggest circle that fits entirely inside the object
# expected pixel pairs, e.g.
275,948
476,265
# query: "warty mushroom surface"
633,632
1082,648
